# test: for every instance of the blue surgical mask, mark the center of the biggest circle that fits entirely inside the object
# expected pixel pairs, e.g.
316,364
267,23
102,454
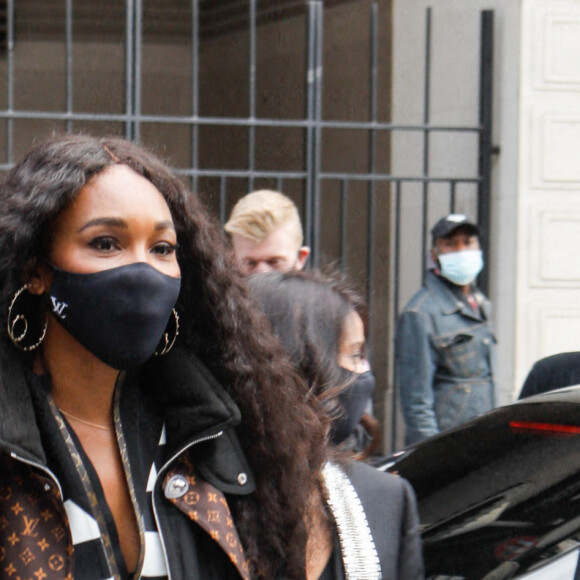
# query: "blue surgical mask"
462,267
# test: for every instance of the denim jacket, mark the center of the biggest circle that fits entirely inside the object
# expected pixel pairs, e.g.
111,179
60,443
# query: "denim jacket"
444,354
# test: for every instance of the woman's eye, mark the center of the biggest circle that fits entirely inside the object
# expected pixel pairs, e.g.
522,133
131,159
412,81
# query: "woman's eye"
103,244
165,249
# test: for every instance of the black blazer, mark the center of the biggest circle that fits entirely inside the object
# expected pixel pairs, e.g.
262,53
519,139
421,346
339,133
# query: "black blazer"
391,510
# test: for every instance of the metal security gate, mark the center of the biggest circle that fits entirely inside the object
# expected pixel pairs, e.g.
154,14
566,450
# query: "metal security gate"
246,94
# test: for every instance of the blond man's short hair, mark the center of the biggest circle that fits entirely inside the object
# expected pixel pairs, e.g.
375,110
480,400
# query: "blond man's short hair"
258,214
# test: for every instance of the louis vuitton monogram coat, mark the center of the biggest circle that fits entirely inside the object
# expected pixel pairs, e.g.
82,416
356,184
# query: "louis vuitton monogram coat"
35,535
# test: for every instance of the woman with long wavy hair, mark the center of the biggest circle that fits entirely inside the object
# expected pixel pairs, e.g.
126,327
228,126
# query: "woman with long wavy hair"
318,319
149,426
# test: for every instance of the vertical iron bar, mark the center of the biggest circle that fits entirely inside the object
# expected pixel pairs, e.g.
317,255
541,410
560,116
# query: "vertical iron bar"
309,136
427,94
129,73
69,63
10,74
453,188
373,113
343,229
195,91
279,183
316,210
485,139
138,70
396,305
252,95
223,199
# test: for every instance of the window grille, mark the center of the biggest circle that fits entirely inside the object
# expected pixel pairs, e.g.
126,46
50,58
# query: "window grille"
246,94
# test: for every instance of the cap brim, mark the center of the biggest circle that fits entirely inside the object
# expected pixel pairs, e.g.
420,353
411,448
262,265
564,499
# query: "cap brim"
448,231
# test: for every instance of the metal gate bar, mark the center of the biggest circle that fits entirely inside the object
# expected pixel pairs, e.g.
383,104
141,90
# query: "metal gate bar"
69,62
486,149
373,115
309,133
426,111
195,107
315,162
237,122
129,68
252,94
138,70
10,83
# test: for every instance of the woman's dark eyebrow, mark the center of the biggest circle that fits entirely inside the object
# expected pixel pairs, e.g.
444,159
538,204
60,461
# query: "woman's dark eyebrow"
120,223
104,221
165,225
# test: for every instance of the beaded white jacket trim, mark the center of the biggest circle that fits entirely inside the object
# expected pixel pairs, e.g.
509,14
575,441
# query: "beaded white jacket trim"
359,554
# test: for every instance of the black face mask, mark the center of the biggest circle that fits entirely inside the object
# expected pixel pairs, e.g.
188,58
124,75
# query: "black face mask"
354,400
119,314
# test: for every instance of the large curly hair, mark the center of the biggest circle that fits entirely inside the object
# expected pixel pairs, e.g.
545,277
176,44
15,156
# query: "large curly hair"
281,433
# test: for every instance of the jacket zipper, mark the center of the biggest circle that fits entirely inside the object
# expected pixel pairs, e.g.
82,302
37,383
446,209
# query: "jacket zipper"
40,467
159,474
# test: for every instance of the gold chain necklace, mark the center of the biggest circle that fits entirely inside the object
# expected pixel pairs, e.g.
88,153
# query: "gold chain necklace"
88,423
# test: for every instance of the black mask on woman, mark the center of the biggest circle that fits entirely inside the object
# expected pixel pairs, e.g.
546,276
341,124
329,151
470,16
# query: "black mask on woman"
118,314
354,400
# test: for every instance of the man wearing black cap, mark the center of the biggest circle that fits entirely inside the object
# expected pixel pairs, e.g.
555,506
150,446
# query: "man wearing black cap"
444,344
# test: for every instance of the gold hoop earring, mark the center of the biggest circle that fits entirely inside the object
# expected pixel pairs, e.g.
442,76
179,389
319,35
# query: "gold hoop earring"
12,322
168,344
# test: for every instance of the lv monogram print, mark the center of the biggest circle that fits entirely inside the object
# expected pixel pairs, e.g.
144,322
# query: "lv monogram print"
35,542
207,506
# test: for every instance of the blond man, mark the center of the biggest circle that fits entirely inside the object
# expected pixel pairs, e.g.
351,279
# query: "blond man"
266,233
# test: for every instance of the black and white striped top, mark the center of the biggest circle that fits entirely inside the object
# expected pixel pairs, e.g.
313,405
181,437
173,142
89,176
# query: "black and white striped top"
141,438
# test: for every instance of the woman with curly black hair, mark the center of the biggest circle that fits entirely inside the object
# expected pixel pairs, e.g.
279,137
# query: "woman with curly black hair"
149,426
